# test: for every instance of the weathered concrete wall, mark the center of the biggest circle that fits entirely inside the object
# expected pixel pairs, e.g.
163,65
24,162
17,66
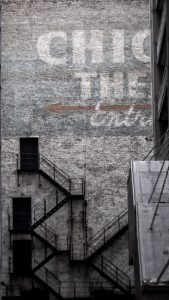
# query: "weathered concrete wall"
77,75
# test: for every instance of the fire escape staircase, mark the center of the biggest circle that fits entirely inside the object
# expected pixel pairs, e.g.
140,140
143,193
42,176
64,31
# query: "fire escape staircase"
41,212
56,243
100,263
48,280
46,208
71,187
68,289
105,267
49,205
105,236
50,240
113,274
55,175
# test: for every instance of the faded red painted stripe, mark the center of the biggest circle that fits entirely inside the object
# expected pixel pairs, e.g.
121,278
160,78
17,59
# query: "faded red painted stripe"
57,108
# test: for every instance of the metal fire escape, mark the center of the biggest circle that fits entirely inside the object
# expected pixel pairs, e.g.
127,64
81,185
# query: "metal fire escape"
72,189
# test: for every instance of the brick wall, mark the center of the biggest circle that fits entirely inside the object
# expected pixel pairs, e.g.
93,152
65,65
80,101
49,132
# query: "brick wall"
77,75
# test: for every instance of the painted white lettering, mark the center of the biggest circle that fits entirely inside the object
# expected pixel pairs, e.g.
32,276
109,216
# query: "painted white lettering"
43,47
118,46
80,46
85,84
138,46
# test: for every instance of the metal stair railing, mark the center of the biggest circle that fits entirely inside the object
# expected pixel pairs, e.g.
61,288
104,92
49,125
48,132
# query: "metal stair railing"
75,289
40,259
116,275
85,251
100,286
75,186
46,206
107,233
49,279
72,289
60,242
55,173
64,289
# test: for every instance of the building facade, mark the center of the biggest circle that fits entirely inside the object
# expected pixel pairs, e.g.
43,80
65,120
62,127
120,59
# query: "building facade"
149,180
160,52
76,108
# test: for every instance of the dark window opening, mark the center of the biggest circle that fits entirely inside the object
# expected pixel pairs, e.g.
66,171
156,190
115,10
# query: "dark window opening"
22,257
21,214
29,154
